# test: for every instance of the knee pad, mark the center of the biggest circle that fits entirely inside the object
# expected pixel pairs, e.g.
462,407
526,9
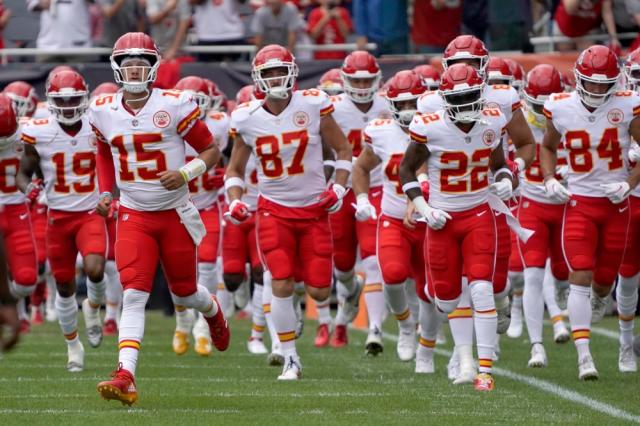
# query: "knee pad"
395,272
482,296
560,271
371,270
19,291
134,299
207,275
25,276
199,300
605,276
447,306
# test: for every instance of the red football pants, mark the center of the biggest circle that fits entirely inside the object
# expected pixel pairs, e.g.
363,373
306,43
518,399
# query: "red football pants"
15,223
239,246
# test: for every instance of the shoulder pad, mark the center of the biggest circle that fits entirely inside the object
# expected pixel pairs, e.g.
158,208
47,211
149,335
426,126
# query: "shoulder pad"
623,93
217,115
313,96
491,112
243,111
103,100
559,96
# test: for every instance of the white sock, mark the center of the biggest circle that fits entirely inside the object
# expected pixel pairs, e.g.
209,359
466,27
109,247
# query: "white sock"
113,291
284,320
373,295
461,319
21,307
324,311
201,301
549,294
207,276
257,313
345,285
266,306
579,306
412,298
95,291
396,297
67,310
485,321
627,298
429,324
533,303
52,290
131,328
184,318
516,278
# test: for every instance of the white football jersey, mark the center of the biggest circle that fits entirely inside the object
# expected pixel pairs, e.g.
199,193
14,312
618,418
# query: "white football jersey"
202,193
597,143
352,122
458,164
9,166
42,110
287,147
145,144
250,196
68,163
218,123
389,142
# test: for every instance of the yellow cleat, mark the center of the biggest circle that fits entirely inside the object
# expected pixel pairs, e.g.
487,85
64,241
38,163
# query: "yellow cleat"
484,382
203,346
180,342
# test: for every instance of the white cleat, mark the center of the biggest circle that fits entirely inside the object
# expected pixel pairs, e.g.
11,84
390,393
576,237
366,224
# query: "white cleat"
515,328
256,346
467,373
560,332
51,314
538,356
627,362
275,358
424,364
407,343
93,323
351,304
453,367
587,369
373,346
598,307
292,369
75,354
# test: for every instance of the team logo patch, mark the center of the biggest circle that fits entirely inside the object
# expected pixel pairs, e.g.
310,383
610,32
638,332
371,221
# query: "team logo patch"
74,142
492,105
488,137
525,205
301,119
615,116
161,119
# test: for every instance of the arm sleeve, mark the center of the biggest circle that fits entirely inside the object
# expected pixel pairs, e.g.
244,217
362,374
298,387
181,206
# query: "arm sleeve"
199,136
105,167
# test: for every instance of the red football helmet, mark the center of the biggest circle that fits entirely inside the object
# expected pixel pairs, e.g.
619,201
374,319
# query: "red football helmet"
218,98
632,70
542,81
8,122
361,76
67,96
498,71
429,75
331,82
274,84
245,94
462,92
599,65
106,88
135,61
402,93
23,96
467,49
569,81
517,71
199,91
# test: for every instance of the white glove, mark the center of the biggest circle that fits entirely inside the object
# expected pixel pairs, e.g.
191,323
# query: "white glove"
555,191
503,189
364,209
436,218
634,153
562,171
616,192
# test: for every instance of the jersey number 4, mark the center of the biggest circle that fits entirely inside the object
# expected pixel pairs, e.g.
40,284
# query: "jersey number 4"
268,151
578,144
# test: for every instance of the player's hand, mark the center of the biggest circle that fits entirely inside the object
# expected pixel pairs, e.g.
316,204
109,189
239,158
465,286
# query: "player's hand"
113,209
408,221
436,218
555,191
104,204
634,153
10,324
562,172
238,212
364,209
331,199
217,179
33,190
171,179
616,192
503,189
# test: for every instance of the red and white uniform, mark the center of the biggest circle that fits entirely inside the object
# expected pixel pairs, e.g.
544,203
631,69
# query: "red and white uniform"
400,250
293,229
139,146
68,164
343,224
541,215
594,229
631,261
458,170
218,123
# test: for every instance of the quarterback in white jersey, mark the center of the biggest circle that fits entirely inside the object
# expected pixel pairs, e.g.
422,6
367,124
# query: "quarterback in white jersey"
400,246
142,133
285,133
461,144
62,149
596,123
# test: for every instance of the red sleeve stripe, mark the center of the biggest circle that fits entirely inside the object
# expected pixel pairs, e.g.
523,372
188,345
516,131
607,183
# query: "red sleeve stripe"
188,120
636,111
546,113
367,138
98,134
199,136
28,139
516,106
327,110
233,132
417,138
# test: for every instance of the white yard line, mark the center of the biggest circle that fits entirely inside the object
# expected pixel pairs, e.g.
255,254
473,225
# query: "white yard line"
605,332
549,387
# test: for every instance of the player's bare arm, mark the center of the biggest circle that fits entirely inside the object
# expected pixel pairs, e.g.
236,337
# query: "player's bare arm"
333,136
413,160
236,168
29,165
366,162
522,139
498,165
634,176
548,150
329,161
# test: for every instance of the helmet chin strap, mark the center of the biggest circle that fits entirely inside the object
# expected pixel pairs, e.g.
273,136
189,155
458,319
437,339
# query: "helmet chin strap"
144,98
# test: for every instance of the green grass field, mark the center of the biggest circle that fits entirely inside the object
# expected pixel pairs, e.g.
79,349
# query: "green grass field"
338,386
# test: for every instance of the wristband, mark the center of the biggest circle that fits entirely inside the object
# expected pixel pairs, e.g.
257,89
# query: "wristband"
344,165
422,177
410,185
360,198
233,181
329,163
105,194
193,169
504,170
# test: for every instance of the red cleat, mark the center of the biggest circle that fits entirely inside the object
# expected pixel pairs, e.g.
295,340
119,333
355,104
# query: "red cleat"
122,387
25,326
110,328
322,336
219,328
36,316
339,338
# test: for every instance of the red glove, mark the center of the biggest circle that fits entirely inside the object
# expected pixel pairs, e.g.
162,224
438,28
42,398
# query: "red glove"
217,179
425,190
33,190
113,209
238,212
331,198
513,167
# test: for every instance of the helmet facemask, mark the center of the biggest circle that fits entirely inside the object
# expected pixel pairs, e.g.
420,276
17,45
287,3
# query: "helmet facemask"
591,98
361,90
21,105
68,105
276,80
403,108
478,62
464,105
135,72
632,75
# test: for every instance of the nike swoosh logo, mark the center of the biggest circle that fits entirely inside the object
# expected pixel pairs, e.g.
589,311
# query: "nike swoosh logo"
623,209
375,194
481,213
23,216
